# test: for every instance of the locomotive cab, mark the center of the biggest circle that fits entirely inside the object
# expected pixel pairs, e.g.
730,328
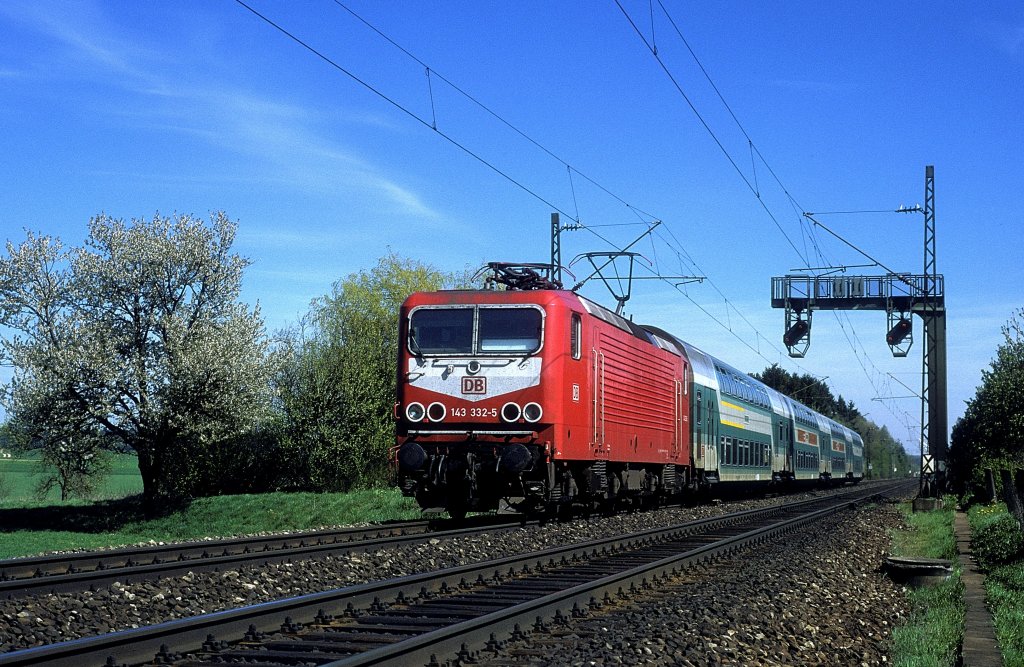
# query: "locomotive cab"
473,423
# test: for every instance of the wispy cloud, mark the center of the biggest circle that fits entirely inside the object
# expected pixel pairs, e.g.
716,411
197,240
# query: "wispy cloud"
90,46
291,144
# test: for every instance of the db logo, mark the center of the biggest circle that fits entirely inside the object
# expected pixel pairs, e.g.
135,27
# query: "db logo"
474,385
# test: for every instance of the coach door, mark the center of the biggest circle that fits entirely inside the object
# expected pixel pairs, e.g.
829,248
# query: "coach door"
711,429
785,448
705,436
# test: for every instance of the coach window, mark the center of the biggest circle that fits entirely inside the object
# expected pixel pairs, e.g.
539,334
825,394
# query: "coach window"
576,335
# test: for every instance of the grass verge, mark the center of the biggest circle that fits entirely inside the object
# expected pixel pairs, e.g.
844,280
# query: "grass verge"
933,633
62,527
1004,593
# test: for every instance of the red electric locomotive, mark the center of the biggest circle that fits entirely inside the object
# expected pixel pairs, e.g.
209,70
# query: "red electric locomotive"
539,400
536,398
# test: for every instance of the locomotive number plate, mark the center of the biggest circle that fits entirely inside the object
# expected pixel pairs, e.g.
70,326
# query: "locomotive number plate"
474,385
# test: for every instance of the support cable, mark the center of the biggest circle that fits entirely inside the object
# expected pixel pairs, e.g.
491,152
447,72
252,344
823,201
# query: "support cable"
486,109
405,110
638,212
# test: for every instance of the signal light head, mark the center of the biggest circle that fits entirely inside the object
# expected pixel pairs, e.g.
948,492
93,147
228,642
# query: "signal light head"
796,332
899,331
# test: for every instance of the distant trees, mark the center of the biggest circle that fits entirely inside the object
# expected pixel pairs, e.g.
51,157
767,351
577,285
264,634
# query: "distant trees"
137,338
336,383
990,434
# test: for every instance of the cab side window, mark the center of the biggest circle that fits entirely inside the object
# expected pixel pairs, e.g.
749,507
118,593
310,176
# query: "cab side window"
576,335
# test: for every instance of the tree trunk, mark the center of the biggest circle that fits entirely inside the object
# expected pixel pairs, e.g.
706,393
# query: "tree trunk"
1013,503
149,468
990,486
1019,489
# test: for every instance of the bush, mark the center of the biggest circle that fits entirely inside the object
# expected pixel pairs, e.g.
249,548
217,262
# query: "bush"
997,539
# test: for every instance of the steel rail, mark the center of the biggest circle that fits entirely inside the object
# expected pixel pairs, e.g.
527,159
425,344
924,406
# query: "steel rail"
62,573
466,640
191,634
99,559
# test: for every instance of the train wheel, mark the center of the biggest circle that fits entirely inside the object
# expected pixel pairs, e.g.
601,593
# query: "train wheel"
457,512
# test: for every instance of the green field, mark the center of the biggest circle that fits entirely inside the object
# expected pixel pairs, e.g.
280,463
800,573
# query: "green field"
30,525
114,516
60,526
19,478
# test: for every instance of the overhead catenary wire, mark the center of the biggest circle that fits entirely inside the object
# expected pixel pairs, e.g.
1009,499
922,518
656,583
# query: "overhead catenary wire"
754,187
707,127
409,112
638,212
491,112
431,72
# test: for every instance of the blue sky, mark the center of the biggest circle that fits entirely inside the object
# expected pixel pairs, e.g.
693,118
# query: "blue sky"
132,108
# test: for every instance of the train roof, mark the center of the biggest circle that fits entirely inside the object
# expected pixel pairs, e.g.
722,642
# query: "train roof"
704,370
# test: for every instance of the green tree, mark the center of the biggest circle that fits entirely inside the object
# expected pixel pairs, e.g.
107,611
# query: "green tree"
810,391
72,455
139,339
990,434
337,377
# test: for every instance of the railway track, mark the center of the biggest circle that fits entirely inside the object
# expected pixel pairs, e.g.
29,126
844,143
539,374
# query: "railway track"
440,615
70,572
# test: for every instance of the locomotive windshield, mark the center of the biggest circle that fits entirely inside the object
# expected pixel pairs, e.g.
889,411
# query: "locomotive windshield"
475,330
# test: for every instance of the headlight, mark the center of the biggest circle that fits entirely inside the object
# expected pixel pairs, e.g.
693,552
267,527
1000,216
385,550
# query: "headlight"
415,412
511,412
532,412
436,412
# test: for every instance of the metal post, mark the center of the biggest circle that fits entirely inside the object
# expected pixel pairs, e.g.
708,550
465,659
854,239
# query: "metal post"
933,358
556,249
